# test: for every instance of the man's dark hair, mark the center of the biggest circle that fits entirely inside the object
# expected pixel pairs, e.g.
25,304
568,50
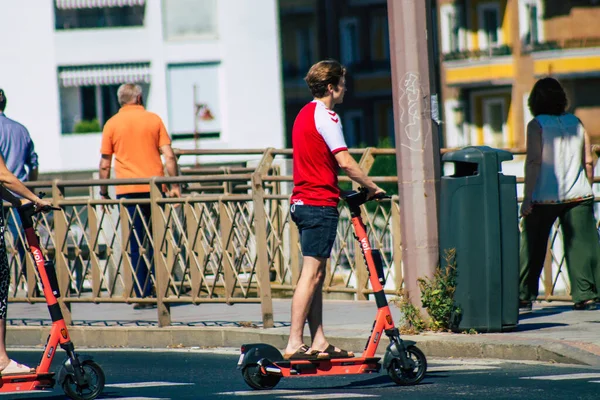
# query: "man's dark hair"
2,100
547,97
322,74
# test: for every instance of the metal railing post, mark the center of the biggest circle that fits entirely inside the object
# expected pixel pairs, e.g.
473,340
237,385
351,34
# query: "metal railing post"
397,245
260,233
61,263
162,275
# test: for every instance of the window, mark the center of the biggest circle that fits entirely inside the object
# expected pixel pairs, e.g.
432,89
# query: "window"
452,27
85,109
304,48
380,38
189,19
88,93
193,100
353,128
349,44
98,17
489,26
494,118
530,14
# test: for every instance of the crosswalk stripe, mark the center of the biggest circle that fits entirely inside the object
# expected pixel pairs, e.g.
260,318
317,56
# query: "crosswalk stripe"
563,377
444,368
144,398
138,385
261,392
329,396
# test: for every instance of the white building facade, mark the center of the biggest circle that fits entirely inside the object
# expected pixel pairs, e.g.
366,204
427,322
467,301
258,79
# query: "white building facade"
210,68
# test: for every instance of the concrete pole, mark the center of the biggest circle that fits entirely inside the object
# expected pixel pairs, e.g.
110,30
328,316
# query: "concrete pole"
412,49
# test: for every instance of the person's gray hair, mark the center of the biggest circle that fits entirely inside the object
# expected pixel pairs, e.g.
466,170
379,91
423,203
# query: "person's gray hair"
128,93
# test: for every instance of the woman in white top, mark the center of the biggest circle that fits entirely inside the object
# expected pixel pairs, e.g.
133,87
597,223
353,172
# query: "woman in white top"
558,177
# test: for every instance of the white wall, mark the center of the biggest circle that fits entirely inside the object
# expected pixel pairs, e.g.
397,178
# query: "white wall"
249,32
247,46
28,74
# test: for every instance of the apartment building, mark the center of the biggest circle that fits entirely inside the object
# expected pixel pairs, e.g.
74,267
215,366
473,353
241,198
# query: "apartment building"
210,68
355,32
494,51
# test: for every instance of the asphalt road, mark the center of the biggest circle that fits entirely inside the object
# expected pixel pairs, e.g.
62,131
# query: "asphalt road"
201,374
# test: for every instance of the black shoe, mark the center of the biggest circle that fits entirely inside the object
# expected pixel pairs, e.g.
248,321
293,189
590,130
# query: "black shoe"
525,306
585,305
143,306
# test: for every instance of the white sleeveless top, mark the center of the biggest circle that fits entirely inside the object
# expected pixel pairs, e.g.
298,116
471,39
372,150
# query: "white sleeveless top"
562,176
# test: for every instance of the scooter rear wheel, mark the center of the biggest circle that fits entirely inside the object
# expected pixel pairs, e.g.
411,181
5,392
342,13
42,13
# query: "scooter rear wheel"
409,376
94,375
257,380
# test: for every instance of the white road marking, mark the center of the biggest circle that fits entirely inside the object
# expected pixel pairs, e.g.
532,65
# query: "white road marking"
144,398
23,392
594,381
329,396
261,392
444,368
563,377
146,384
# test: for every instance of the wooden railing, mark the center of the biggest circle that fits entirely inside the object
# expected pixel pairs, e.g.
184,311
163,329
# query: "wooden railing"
229,239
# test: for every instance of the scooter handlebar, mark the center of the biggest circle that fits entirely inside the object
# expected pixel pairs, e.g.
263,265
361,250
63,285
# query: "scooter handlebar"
359,197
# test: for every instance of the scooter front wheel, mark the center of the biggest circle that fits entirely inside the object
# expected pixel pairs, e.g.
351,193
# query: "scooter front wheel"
414,373
257,380
94,377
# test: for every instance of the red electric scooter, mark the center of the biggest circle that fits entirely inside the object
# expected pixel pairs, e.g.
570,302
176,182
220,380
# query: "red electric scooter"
80,377
263,365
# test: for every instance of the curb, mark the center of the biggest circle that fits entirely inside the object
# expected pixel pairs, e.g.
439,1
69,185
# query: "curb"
433,345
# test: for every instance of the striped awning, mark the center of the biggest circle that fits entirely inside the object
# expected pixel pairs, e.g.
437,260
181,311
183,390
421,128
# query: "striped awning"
104,74
73,4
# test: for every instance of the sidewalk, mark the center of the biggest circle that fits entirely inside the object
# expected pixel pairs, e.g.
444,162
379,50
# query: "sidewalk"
553,332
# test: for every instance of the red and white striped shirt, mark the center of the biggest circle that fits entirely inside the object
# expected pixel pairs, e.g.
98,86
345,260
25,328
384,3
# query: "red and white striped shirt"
316,138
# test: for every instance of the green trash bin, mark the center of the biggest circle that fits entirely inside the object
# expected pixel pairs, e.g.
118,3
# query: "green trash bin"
478,218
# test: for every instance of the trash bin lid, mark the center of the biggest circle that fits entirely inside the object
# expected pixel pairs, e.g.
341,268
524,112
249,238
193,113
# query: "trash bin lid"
475,154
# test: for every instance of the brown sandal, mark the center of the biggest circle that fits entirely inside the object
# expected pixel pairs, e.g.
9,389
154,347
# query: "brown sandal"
303,354
338,354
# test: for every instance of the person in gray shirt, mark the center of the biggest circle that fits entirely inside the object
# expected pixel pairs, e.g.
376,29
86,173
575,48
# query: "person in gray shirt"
17,149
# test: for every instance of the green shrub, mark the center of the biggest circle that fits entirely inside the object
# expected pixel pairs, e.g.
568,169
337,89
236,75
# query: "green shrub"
437,297
87,126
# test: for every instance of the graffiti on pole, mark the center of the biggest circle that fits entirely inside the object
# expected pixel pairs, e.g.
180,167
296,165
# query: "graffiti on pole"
413,108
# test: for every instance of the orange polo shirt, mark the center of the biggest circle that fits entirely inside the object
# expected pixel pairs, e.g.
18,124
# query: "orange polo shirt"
134,137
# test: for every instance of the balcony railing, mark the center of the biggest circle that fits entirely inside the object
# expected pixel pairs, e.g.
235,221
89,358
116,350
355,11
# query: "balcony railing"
562,44
497,51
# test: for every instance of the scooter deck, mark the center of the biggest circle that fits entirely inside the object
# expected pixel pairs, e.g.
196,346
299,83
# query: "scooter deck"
334,366
18,383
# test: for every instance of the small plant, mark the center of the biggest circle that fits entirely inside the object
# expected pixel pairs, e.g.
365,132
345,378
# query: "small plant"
412,323
437,295
87,126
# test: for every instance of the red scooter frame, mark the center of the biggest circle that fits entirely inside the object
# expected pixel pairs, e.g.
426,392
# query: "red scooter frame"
263,365
80,377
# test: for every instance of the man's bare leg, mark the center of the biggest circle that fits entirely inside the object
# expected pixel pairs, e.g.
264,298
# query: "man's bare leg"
311,279
315,321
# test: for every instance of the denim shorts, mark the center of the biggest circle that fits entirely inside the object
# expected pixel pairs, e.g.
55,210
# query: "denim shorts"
317,226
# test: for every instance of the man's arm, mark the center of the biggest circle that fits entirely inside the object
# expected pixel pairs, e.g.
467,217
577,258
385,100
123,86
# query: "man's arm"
104,172
32,161
353,170
172,169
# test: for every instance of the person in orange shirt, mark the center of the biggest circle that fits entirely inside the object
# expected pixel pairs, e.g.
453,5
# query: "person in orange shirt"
137,138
